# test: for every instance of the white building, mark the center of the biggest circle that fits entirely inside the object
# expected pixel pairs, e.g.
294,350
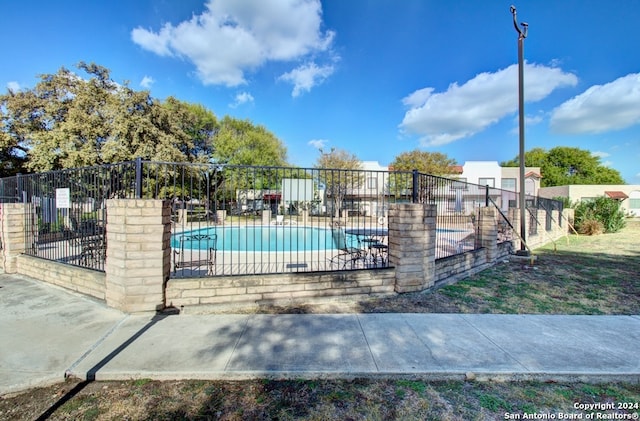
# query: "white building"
627,194
490,173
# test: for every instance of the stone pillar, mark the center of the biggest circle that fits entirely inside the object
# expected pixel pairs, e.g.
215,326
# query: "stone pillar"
12,233
138,254
266,217
514,217
556,229
488,232
569,216
527,224
182,216
221,215
412,239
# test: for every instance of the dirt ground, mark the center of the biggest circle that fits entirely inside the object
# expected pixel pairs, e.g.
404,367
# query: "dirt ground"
577,275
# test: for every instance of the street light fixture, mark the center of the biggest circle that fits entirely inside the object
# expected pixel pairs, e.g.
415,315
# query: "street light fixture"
522,34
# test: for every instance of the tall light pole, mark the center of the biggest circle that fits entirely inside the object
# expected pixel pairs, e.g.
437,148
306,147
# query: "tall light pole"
522,34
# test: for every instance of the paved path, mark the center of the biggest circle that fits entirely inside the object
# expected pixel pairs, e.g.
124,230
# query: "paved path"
47,331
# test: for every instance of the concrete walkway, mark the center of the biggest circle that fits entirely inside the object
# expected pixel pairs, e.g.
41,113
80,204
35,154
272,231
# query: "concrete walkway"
47,332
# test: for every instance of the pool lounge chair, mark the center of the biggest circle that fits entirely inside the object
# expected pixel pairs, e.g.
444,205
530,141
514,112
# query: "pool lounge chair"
348,257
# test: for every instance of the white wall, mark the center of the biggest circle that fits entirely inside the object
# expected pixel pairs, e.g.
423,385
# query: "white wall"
472,171
577,192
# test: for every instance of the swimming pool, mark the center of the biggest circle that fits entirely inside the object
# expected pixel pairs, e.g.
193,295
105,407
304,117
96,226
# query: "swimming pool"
264,238
279,238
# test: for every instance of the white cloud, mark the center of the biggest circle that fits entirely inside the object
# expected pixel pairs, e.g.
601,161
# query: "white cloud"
13,86
555,62
418,98
600,108
232,37
601,155
318,143
463,110
241,98
532,120
306,77
529,120
146,82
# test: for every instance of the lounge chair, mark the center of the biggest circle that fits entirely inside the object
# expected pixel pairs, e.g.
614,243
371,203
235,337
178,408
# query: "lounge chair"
348,257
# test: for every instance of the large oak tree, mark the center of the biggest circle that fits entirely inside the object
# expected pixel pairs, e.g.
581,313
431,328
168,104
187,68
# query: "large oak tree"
434,163
564,165
69,121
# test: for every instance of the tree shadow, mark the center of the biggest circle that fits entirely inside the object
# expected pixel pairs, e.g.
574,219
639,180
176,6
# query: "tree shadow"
91,374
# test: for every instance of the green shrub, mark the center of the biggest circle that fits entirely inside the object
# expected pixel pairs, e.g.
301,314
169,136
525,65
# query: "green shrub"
603,209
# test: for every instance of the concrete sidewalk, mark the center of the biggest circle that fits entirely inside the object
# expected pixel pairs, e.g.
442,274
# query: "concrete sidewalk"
48,332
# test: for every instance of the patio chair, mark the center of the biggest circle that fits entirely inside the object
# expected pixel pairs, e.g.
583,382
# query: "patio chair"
379,253
90,238
93,250
348,256
200,250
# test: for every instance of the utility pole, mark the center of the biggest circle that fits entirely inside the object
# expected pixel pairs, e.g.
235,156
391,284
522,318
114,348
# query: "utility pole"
522,34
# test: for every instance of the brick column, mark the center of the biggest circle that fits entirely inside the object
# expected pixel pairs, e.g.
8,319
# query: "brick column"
488,232
12,233
412,240
138,253
514,217
569,215
556,229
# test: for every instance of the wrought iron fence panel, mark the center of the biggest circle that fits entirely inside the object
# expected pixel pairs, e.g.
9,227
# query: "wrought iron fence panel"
457,203
66,212
274,219
235,220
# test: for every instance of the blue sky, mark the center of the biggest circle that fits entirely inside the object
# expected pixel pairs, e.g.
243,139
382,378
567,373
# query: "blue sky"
373,77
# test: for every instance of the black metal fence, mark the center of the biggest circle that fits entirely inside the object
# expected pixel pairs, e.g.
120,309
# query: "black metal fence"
66,212
232,220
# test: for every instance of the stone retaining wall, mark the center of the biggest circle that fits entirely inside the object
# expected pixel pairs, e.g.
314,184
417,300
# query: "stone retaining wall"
137,268
251,292
84,281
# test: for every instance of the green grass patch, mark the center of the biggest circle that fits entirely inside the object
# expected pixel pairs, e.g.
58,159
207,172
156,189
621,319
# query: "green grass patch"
417,386
141,382
493,403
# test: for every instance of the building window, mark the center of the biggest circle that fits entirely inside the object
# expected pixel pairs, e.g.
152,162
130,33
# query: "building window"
491,182
460,184
372,183
509,184
634,203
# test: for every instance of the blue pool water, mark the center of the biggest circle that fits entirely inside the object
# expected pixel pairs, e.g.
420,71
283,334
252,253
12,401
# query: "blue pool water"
263,238
273,238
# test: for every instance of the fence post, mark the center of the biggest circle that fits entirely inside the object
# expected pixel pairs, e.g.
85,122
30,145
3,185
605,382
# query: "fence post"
486,196
13,233
138,178
414,194
412,245
488,233
138,254
19,190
